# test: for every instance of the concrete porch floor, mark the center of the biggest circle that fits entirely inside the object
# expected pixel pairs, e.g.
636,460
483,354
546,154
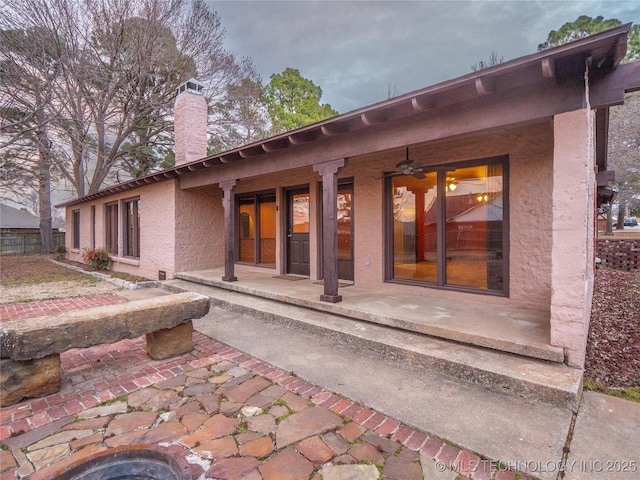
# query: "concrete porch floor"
519,331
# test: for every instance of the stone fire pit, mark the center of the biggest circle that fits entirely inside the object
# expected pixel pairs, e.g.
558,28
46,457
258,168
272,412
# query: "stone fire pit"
124,463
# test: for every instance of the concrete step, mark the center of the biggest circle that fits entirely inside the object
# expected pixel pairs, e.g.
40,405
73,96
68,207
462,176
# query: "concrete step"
506,329
503,372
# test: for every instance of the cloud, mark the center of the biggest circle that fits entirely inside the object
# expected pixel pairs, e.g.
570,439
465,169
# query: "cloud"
356,51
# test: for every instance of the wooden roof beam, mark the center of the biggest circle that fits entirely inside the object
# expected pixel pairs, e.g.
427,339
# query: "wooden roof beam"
226,159
250,152
305,137
425,102
610,90
485,85
605,177
275,145
620,51
335,128
374,117
548,68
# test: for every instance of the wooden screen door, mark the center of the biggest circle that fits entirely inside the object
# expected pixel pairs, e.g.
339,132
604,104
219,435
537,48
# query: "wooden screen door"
345,231
298,258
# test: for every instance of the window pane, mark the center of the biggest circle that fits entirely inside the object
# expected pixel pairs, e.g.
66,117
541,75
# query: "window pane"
247,230
76,229
301,213
268,230
474,222
132,229
111,228
136,251
414,228
345,247
128,229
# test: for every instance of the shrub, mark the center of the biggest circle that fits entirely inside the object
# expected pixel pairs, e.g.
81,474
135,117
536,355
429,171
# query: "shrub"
97,258
61,250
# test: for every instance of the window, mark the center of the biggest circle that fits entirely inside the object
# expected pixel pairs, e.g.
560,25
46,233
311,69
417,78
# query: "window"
132,228
93,226
257,229
111,228
267,231
76,228
447,229
247,230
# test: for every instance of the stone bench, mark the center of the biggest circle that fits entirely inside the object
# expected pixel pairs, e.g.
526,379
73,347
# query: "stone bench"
30,349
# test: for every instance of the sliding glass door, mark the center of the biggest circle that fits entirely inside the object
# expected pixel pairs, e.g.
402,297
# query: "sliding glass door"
257,229
447,226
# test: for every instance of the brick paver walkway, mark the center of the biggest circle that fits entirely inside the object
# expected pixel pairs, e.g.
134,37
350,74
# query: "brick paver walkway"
20,311
225,413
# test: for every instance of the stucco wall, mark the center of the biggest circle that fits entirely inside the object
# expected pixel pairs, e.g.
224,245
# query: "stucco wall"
157,230
573,233
184,229
530,151
199,229
157,219
85,231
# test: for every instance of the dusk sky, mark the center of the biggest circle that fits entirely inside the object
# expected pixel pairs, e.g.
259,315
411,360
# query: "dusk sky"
358,51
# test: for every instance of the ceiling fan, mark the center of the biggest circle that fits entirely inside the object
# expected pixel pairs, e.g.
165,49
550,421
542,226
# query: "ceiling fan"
408,167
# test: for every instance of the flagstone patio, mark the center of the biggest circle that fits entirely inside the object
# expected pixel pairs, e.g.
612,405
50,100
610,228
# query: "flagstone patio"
229,415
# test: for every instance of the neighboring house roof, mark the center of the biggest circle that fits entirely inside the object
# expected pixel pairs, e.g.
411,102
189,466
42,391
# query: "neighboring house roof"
488,211
603,53
13,218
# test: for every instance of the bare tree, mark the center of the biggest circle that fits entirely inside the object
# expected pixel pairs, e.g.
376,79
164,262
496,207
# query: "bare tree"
482,63
119,63
242,116
624,152
30,69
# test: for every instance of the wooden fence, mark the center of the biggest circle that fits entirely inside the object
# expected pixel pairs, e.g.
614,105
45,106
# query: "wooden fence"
619,254
18,243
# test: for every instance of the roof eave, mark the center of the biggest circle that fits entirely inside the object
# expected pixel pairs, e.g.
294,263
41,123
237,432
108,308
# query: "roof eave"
609,45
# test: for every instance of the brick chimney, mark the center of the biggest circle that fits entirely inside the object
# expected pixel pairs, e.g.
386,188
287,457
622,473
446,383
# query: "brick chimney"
190,122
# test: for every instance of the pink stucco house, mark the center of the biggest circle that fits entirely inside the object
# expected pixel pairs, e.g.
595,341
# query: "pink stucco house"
481,189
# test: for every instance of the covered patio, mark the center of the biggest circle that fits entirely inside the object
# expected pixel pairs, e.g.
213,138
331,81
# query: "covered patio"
504,328
502,349
463,211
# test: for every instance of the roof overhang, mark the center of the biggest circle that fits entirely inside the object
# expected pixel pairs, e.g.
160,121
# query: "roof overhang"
601,54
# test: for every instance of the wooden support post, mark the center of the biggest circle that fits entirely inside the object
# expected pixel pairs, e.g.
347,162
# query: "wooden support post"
329,173
229,229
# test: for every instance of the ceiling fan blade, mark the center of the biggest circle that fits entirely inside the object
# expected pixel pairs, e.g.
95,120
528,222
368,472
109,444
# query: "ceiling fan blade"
419,175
